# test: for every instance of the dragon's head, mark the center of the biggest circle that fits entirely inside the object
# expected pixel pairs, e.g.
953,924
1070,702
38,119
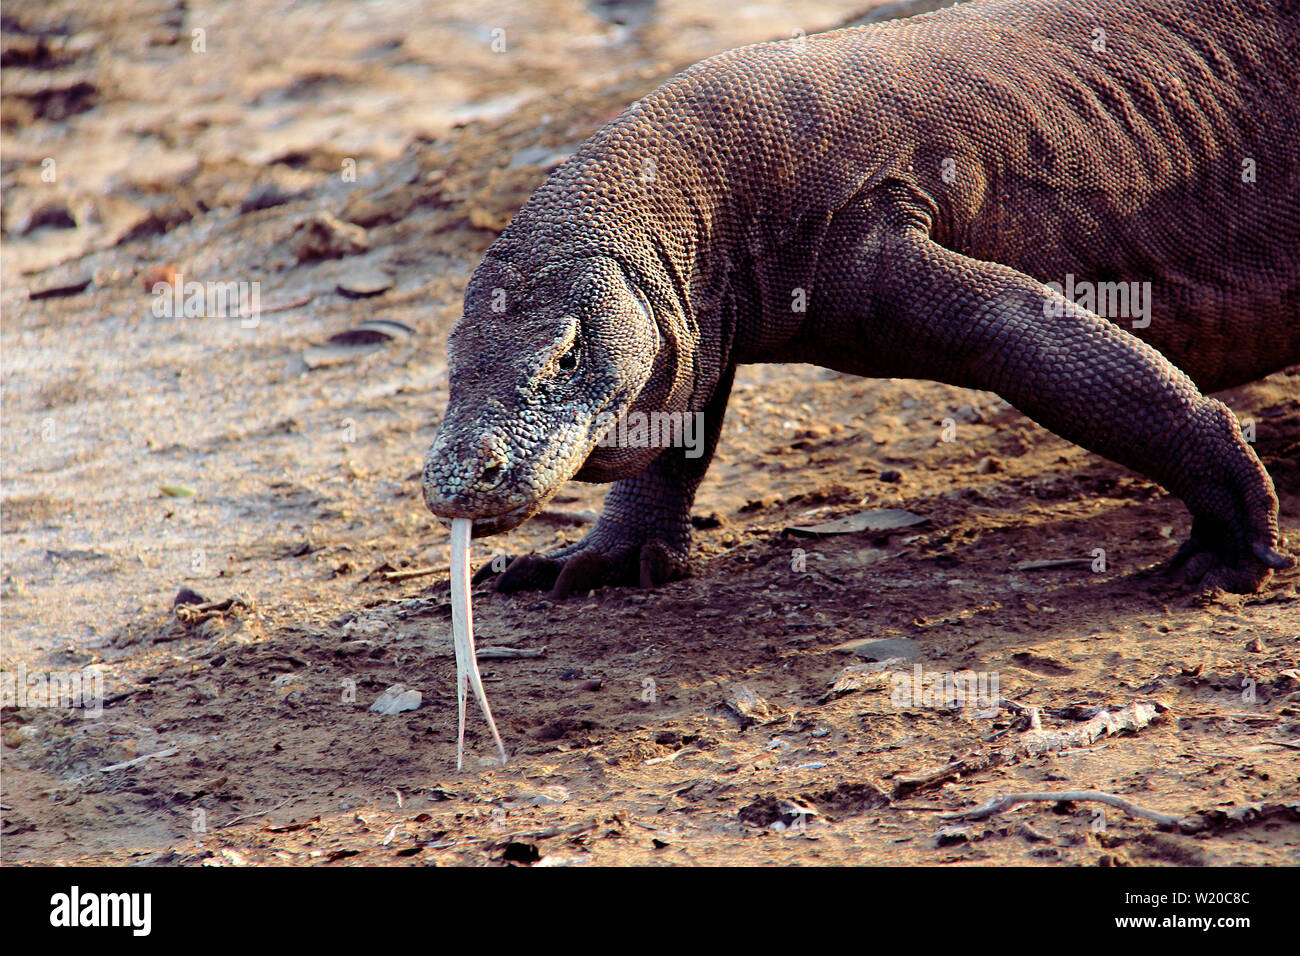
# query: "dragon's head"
541,364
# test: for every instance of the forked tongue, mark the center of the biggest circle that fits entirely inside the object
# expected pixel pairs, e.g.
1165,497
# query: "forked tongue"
462,636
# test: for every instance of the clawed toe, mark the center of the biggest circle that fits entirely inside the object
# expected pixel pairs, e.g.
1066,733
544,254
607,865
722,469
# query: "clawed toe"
1229,569
660,564
1215,556
1191,568
649,565
496,566
530,572
586,571
1271,557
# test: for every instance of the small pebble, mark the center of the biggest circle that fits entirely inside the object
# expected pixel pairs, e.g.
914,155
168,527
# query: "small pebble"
64,283
397,699
364,283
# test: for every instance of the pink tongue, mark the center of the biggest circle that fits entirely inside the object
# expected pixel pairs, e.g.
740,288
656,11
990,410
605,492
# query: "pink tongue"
462,636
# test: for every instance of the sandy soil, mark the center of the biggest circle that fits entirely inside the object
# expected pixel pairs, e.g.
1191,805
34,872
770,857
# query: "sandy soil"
304,467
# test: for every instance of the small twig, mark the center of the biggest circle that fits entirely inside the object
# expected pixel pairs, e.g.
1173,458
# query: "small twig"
280,306
573,830
933,778
399,796
131,763
1009,800
684,752
411,573
1009,704
255,813
1256,718
1081,750
1033,835
508,653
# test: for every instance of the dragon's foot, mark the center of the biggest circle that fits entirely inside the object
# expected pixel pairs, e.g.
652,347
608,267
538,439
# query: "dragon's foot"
586,566
1215,556
1235,544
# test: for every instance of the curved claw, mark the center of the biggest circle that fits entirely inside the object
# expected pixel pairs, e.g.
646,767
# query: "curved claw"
649,566
660,564
585,571
1211,560
489,570
1270,557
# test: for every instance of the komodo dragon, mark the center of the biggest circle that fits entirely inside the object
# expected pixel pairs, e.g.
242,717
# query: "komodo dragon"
893,201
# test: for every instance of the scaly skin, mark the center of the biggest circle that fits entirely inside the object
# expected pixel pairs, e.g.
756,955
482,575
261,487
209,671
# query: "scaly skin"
890,201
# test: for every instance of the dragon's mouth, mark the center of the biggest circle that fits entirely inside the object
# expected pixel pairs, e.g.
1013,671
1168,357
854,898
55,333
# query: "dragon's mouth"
497,524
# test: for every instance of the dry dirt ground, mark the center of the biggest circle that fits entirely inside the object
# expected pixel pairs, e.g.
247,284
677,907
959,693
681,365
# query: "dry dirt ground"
239,732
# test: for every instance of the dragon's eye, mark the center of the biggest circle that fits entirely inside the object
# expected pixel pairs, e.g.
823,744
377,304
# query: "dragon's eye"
569,360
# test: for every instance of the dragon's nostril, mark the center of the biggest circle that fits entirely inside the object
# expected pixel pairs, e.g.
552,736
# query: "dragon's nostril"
491,474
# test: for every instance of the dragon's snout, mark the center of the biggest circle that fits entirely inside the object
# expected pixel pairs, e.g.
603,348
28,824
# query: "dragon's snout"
465,486
476,483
